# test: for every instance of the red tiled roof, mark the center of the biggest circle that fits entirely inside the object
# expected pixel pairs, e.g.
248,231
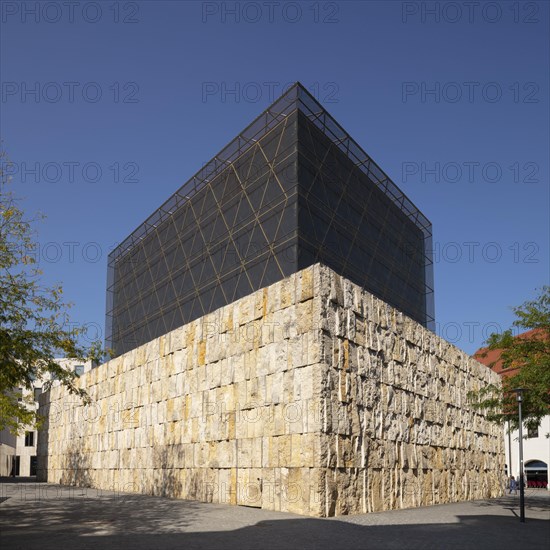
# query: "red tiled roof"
491,357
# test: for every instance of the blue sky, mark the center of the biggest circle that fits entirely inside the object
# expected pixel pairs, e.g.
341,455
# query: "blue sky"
107,108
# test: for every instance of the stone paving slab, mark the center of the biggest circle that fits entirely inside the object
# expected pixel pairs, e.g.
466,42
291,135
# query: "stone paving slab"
46,516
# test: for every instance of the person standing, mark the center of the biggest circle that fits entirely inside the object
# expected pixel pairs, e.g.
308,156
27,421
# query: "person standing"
513,485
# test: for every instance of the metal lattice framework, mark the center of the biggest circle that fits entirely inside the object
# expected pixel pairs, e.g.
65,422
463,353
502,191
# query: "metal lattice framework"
251,217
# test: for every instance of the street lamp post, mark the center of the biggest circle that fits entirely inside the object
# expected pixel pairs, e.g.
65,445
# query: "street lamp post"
509,450
519,398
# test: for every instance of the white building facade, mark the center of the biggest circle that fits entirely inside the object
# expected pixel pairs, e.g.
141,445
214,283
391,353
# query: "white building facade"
536,455
18,453
536,443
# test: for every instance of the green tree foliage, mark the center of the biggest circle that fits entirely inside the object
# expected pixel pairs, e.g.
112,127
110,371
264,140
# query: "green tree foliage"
33,318
530,352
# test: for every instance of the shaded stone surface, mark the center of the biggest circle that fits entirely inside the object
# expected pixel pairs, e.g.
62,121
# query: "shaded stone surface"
45,516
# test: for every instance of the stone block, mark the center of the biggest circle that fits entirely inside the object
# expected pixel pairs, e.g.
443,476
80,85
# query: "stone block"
310,396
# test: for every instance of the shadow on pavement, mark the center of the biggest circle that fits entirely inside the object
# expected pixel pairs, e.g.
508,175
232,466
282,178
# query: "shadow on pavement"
135,522
10,480
537,502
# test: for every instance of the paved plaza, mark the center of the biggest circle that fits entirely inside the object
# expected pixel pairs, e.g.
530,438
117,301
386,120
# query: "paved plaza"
46,516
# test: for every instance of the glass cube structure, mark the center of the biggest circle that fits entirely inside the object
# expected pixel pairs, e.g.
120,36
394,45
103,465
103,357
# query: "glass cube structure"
291,190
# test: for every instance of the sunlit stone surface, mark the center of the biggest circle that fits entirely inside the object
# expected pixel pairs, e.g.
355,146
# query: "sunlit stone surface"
310,396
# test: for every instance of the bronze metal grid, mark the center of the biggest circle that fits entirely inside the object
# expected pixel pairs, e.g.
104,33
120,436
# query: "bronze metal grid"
236,234
234,227
348,223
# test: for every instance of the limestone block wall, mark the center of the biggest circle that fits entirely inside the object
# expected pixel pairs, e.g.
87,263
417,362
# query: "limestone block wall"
399,431
310,396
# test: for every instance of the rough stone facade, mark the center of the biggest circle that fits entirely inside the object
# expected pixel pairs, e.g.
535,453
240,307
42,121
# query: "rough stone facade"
310,396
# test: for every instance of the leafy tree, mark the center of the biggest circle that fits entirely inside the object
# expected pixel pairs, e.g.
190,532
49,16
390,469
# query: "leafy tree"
531,353
33,318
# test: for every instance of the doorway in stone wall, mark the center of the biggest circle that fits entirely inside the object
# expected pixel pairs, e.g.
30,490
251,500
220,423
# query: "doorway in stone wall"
34,464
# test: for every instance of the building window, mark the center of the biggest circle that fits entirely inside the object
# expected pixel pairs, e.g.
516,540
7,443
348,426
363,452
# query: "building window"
29,439
532,432
37,392
79,370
